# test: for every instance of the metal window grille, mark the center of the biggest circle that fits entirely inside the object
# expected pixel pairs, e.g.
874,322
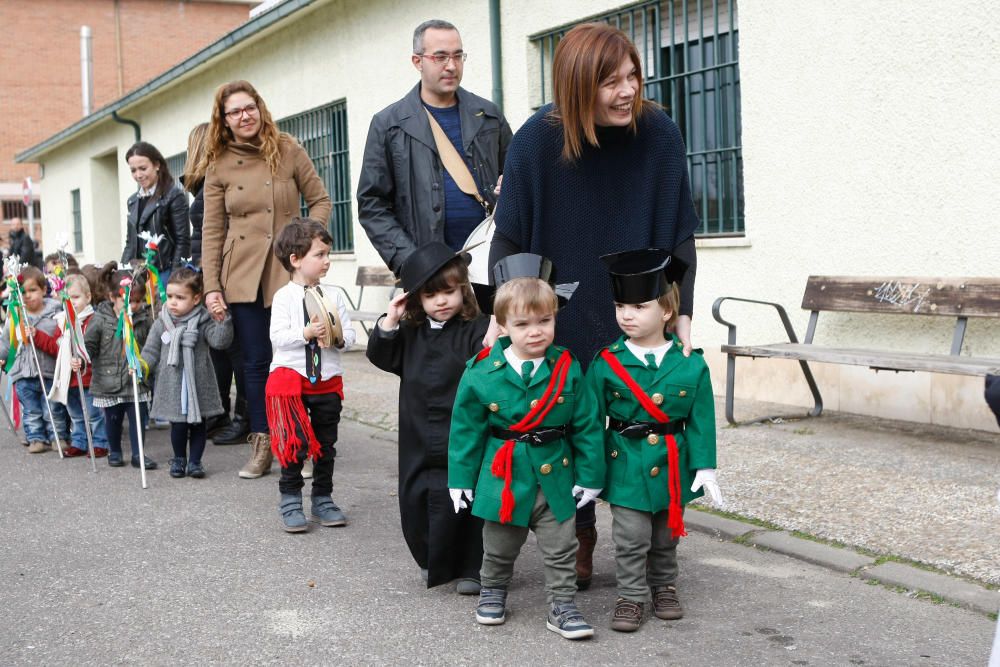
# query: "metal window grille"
689,50
15,208
175,163
323,133
77,221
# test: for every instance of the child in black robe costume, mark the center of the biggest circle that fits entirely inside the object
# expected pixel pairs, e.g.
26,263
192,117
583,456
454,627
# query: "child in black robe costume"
428,334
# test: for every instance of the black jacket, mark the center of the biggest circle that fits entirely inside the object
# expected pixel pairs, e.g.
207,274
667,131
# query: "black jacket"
401,189
197,215
167,215
22,246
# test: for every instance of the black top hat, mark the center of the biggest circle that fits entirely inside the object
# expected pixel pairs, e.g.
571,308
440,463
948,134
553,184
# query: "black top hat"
638,276
528,265
424,262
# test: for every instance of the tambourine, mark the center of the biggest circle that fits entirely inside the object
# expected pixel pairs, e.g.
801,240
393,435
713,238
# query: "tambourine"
318,305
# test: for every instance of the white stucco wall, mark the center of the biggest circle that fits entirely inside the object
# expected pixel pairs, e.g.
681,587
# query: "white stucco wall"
868,150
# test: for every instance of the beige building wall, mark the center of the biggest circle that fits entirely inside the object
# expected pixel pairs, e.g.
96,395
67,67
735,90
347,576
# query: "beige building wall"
866,148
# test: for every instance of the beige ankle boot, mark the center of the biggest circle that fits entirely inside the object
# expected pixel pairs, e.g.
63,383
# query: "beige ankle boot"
260,457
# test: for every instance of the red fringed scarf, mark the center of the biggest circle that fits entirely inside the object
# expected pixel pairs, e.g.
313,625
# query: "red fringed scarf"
285,411
503,461
675,518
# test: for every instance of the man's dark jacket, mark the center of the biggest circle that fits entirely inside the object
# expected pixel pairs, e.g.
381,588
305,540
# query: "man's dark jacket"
22,246
401,189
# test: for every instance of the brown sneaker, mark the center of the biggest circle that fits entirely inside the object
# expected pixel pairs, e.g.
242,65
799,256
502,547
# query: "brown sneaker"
627,616
587,537
37,447
665,603
260,457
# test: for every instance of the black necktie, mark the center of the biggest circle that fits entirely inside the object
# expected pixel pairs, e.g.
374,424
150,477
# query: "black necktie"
314,358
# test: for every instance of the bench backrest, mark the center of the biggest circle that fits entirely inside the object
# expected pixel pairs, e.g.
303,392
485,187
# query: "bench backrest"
375,276
954,297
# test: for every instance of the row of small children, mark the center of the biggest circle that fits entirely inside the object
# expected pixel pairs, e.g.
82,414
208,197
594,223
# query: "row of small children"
498,441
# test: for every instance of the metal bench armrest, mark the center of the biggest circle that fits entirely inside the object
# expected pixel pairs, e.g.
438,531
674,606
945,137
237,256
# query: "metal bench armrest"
782,313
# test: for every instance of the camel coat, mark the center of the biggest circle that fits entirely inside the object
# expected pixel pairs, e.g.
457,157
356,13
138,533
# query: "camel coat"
245,208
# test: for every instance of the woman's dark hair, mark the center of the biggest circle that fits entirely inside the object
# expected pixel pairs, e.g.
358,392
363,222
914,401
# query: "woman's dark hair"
187,278
453,274
147,150
296,239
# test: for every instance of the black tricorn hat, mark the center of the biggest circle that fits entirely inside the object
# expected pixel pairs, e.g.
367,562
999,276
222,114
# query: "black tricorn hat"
424,262
638,276
527,265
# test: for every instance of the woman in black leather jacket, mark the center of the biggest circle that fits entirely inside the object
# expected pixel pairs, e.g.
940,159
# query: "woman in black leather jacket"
159,207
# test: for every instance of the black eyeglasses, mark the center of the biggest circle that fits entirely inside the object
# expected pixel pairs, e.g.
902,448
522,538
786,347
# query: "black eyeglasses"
443,58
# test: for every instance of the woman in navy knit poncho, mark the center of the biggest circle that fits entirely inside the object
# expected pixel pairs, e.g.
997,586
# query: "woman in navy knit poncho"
599,171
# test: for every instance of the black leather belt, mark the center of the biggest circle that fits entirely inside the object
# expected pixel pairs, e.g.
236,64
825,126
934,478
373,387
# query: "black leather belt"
643,429
539,436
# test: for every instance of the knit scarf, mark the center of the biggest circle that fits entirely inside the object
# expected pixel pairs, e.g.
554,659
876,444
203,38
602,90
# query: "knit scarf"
62,377
180,337
675,515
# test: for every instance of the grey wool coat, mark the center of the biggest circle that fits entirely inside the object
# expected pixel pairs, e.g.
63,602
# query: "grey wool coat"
167,379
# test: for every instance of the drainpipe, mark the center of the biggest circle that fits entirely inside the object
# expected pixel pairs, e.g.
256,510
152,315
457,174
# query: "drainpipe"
495,54
86,70
126,121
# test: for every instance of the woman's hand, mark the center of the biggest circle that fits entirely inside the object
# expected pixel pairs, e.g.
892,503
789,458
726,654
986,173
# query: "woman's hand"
683,331
394,313
216,305
492,333
496,190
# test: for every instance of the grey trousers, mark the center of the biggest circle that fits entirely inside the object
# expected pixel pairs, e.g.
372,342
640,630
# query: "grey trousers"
645,554
556,540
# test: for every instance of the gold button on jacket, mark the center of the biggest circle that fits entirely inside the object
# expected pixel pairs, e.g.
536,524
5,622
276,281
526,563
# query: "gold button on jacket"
614,453
494,407
657,398
545,469
565,462
533,403
682,393
654,472
652,438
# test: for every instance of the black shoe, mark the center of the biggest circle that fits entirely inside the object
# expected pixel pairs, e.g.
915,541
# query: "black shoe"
196,470
235,434
150,463
115,460
177,467
213,425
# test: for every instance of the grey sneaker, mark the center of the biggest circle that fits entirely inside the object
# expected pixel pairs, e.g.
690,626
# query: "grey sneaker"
292,518
492,609
326,512
567,620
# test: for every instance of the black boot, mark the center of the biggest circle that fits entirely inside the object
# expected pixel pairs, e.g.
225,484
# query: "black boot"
235,434
215,425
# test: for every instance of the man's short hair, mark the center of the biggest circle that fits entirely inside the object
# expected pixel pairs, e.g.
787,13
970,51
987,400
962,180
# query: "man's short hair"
524,295
418,34
296,239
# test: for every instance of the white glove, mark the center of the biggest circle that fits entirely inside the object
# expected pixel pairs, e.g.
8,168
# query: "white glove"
456,498
706,478
585,495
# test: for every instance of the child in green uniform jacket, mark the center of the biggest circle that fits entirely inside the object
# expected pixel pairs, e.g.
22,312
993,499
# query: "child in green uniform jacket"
660,440
525,438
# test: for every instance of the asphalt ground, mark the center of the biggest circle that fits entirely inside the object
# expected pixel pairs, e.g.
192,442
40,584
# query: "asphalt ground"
96,570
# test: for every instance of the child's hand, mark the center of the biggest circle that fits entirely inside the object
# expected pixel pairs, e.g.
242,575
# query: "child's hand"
705,477
314,329
456,498
76,364
394,312
30,330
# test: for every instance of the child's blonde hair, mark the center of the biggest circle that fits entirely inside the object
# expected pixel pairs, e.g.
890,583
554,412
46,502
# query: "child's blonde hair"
524,295
671,302
79,281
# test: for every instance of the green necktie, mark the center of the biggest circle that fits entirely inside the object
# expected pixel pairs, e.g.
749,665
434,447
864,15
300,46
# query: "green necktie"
526,368
651,361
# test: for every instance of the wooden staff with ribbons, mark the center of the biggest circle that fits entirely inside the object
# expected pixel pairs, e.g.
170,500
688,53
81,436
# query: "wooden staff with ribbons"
137,368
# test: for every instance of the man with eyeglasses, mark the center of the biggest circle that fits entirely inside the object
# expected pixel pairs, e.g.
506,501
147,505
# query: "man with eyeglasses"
406,197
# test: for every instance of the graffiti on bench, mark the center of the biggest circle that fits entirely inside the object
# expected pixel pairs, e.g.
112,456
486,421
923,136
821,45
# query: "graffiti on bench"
906,297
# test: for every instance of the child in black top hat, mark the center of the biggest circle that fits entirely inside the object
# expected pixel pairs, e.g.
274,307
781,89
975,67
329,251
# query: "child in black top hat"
426,337
660,438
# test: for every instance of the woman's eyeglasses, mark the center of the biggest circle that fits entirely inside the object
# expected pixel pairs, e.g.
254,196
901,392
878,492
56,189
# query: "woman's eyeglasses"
236,114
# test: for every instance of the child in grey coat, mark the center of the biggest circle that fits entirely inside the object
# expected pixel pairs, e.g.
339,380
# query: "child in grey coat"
185,391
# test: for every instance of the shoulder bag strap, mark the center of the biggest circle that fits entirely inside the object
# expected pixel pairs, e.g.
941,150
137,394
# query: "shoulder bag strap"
454,163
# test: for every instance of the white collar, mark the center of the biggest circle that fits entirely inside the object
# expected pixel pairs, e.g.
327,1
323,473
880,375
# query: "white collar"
640,352
147,193
435,324
515,362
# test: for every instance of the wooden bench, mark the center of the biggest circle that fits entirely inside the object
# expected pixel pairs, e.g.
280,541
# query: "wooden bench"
960,298
369,276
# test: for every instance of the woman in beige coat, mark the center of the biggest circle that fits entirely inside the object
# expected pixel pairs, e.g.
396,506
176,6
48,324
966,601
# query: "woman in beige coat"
254,176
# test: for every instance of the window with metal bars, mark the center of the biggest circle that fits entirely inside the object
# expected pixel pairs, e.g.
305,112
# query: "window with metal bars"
77,221
175,163
690,55
323,133
15,208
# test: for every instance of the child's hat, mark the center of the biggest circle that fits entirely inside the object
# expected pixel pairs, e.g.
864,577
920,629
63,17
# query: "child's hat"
424,262
529,265
638,276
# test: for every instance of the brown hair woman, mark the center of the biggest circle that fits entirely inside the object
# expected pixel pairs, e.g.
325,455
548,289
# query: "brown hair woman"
600,170
159,207
254,176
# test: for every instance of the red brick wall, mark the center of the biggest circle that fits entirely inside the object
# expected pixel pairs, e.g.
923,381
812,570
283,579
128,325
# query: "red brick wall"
40,91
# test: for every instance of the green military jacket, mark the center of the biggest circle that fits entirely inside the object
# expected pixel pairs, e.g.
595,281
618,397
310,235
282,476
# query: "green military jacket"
493,394
637,468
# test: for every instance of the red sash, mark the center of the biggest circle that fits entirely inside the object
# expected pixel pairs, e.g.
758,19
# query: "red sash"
675,518
503,460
